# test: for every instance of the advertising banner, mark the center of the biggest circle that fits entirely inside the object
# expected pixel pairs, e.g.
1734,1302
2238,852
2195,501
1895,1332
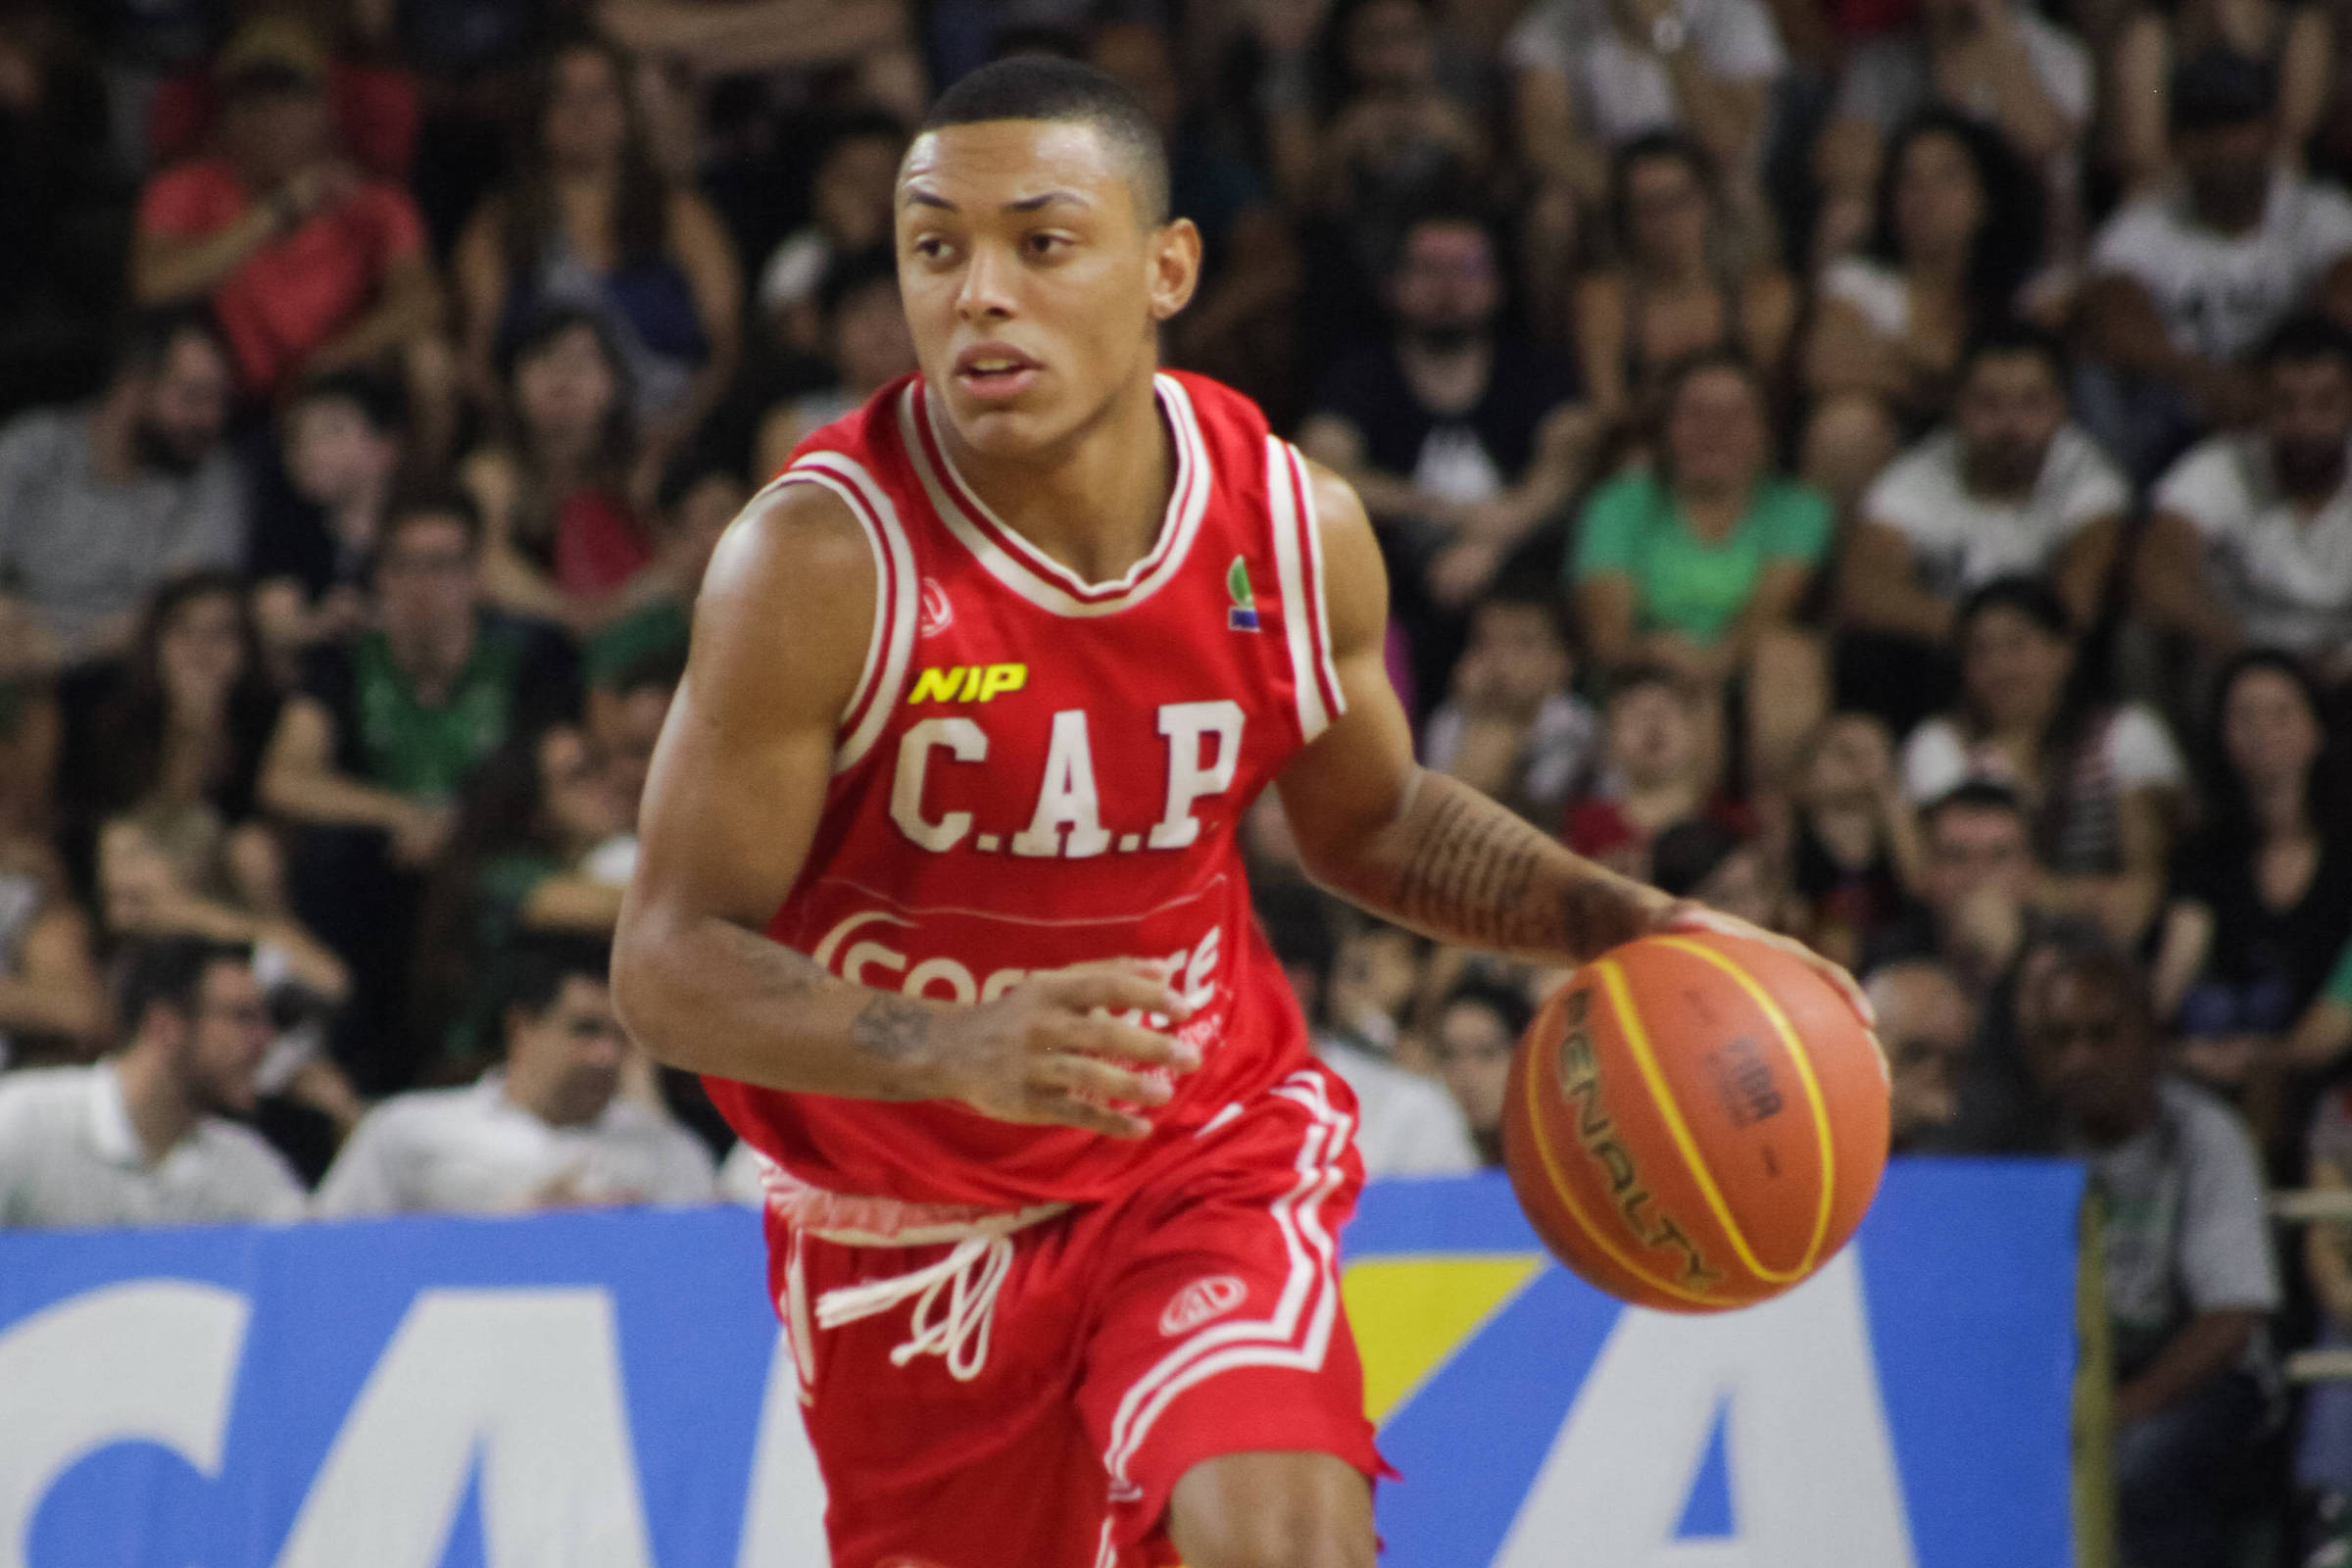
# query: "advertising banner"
601,1390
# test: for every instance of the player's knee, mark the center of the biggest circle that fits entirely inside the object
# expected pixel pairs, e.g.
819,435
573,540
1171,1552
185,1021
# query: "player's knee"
1297,1512
1303,1539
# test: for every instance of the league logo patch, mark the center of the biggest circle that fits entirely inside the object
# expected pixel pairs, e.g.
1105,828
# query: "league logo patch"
1201,1302
938,615
1243,616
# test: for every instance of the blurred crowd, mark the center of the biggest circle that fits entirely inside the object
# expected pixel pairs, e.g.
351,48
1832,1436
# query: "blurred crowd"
1882,467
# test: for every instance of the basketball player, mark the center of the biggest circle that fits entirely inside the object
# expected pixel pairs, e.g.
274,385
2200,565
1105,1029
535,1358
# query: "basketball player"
939,889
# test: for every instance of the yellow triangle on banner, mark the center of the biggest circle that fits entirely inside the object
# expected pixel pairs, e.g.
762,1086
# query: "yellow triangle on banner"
1410,1314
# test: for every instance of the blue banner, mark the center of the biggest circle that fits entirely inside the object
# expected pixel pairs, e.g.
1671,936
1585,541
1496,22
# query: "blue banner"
602,1390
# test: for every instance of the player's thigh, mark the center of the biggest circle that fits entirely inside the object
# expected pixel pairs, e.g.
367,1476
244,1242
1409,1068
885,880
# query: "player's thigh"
1273,1510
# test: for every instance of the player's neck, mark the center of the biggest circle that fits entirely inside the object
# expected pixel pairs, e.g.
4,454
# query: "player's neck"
1095,501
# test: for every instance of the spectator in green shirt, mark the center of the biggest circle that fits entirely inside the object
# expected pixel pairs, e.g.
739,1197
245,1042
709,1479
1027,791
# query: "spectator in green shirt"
1701,564
369,757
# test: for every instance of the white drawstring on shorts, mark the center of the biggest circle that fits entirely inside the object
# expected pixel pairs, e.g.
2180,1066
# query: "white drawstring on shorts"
968,1277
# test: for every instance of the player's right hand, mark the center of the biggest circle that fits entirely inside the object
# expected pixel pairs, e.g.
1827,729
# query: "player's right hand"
1048,1051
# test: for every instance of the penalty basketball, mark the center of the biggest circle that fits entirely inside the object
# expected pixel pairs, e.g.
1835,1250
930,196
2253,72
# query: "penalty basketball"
1695,1121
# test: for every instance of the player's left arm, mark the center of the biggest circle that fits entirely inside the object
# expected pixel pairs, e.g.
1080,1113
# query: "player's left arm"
1427,851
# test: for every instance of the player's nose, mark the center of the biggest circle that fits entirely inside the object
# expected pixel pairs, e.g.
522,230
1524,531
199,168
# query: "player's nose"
987,292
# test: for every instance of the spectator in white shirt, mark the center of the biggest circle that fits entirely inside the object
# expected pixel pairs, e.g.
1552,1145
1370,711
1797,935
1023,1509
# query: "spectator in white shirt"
145,1136
2189,1279
1407,1124
2099,781
2184,281
2010,485
552,1129
2251,537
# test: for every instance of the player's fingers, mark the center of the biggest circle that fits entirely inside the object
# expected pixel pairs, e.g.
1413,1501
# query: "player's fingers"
1698,917
1125,1041
1099,1080
1067,1110
1122,986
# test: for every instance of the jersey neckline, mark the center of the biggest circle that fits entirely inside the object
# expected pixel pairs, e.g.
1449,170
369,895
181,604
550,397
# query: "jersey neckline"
1022,565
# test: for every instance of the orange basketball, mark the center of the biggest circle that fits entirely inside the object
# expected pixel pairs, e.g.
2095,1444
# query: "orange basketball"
1695,1122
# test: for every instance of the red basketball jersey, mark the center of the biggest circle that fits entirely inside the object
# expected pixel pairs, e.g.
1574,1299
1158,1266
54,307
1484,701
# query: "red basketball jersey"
1037,771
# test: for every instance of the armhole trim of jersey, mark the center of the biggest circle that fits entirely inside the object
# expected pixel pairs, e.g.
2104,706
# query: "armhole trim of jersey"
1299,565
891,643
1313,522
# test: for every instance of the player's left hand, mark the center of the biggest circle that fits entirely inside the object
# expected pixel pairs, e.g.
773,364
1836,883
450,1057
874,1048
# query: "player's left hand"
1684,914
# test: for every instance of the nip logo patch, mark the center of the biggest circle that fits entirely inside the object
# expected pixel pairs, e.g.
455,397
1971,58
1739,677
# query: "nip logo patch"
1202,1302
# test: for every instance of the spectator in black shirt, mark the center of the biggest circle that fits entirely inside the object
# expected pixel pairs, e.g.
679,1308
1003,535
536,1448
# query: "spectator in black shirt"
2261,901
1460,438
175,735
346,437
2262,896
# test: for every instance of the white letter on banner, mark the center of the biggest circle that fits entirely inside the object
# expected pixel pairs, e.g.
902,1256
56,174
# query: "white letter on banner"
1812,1467
154,1361
784,1527
529,1380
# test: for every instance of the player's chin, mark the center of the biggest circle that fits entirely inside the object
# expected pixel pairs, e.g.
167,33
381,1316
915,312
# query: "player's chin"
1001,429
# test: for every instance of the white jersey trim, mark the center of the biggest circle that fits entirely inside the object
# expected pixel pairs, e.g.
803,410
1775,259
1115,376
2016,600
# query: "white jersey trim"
1028,570
892,645
1284,498
1311,521
1297,1334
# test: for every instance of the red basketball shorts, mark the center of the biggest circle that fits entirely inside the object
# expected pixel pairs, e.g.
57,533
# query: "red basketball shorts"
1028,1397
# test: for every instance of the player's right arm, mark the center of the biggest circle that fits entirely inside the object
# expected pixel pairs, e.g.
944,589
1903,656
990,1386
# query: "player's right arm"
731,807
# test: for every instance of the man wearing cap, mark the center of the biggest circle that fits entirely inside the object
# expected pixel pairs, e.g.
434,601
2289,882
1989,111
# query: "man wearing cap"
310,265
2185,281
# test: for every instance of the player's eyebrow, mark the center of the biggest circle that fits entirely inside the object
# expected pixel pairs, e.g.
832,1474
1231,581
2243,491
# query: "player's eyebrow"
916,196
1045,199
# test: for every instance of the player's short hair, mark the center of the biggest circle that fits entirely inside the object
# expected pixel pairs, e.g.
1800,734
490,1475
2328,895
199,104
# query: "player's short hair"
380,398
168,972
543,963
854,271
430,502
2221,88
1045,88
2010,339
1974,795
146,338
1479,989
2020,593
1532,590
2306,338
1627,679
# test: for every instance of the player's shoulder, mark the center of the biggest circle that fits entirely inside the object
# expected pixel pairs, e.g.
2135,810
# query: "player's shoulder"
802,542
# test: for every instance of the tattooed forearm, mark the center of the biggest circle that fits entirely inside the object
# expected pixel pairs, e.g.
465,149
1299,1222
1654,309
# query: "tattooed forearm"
893,1028
1468,871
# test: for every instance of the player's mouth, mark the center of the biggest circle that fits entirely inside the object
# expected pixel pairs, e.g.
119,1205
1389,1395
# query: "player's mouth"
995,373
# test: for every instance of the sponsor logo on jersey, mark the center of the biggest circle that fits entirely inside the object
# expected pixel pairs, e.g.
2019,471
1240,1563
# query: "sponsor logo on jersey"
1203,1301
966,683
938,615
1243,616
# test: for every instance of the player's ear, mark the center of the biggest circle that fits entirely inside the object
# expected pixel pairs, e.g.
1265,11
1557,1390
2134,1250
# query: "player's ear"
1175,267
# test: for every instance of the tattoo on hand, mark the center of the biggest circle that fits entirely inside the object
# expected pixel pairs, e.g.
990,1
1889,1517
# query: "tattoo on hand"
893,1028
